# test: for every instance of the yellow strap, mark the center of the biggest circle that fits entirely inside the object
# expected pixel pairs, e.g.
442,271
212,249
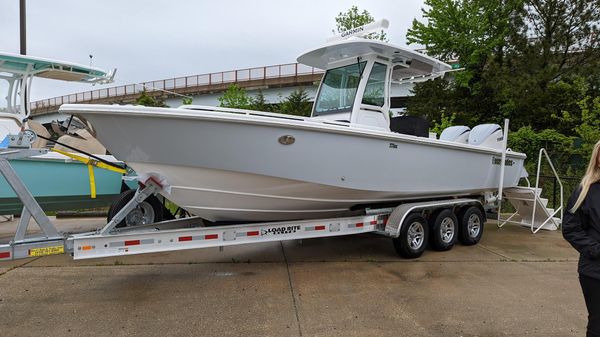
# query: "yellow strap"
92,181
91,161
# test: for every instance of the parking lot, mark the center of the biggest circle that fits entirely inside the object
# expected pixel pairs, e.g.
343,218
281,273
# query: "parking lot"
512,284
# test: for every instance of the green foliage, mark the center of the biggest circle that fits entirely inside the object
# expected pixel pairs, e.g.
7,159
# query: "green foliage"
235,97
353,18
187,101
529,141
532,61
259,103
297,103
147,100
444,122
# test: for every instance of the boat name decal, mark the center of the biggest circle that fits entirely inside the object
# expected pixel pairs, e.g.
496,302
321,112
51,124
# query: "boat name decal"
393,146
507,162
352,31
280,230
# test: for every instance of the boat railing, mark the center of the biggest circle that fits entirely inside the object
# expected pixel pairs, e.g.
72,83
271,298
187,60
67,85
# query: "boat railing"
544,153
180,84
241,112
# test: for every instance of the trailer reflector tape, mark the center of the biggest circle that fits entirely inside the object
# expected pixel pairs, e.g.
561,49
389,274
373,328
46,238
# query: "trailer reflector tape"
4,255
252,233
211,236
315,228
360,224
130,243
87,247
374,222
185,238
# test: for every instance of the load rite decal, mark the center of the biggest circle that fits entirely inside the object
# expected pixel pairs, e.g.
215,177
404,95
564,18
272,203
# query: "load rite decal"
280,230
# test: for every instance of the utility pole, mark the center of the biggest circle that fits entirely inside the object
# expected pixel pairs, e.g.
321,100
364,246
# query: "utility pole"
23,27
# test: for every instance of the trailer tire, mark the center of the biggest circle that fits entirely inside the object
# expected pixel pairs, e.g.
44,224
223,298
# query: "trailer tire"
414,233
471,226
444,230
149,211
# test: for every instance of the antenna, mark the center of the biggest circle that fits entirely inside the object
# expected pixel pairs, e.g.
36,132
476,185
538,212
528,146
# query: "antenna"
91,57
362,30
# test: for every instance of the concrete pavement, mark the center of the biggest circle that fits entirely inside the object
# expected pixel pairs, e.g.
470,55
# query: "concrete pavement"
511,284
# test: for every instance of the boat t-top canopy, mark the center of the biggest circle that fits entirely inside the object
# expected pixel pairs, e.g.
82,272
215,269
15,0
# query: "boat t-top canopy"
57,70
415,63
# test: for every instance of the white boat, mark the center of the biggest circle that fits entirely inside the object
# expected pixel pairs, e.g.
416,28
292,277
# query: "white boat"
237,165
56,180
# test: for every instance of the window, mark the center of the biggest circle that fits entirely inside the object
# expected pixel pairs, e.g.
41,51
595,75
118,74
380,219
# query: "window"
338,90
375,89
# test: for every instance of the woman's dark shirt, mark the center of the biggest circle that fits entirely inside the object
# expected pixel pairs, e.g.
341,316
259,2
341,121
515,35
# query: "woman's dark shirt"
582,230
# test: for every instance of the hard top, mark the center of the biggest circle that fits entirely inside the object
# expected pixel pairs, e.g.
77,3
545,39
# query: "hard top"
52,69
418,64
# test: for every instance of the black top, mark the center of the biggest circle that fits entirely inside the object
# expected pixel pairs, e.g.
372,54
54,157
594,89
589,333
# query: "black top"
582,230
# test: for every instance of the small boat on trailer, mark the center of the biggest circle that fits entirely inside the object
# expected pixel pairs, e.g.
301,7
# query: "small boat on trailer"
57,180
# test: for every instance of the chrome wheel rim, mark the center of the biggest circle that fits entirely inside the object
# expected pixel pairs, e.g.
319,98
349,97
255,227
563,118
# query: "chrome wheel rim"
447,230
143,214
474,225
416,234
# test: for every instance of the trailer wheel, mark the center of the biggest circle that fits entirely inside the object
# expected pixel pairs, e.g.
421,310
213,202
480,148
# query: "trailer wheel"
471,226
412,241
149,211
444,230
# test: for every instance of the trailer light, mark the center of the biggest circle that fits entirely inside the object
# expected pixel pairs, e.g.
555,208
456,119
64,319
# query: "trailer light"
132,243
87,247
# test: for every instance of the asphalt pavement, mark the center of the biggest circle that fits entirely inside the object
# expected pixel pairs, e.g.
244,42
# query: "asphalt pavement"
513,283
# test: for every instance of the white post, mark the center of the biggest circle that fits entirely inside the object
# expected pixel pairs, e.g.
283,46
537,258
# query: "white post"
502,165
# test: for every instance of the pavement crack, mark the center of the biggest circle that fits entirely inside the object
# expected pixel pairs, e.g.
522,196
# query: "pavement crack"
494,252
20,265
287,266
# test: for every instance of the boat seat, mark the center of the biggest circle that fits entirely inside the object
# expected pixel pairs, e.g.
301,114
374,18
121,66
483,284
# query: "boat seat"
410,125
458,133
486,135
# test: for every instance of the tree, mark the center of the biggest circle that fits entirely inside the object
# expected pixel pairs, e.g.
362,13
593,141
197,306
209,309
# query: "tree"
235,97
522,58
147,100
297,103
353,18
259,103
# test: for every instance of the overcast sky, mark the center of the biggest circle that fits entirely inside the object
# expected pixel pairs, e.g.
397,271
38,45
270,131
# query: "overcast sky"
155,39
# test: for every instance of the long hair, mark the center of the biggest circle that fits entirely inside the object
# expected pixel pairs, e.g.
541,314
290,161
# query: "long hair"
591,176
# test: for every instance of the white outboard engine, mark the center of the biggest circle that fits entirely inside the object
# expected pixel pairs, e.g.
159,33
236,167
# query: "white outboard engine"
487,135
458,133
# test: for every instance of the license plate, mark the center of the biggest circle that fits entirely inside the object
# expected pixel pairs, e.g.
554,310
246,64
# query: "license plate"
54,250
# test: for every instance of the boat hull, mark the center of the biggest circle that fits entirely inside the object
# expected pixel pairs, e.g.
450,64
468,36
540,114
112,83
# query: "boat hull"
59,184
227,167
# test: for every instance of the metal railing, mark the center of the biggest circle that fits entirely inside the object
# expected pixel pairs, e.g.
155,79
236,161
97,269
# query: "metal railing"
182,83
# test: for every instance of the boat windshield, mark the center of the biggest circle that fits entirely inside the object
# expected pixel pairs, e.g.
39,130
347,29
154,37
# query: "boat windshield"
338,89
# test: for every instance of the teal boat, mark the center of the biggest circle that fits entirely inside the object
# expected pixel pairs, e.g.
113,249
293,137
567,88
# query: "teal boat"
56,180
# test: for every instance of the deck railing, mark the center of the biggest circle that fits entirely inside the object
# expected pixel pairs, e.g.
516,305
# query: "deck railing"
181,83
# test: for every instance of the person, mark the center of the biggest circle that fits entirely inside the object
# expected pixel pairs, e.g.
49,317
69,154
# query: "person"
581,227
